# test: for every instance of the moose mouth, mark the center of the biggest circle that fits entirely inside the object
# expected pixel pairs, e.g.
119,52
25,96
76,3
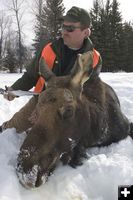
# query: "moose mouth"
37,175
31,179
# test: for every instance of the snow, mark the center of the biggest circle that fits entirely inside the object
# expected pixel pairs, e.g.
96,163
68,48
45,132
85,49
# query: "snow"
97,179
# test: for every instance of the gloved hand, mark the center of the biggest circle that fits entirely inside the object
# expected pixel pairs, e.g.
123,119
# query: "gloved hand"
8,94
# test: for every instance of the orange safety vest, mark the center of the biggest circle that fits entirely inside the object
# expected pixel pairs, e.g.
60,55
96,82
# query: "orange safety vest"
49,56
96,56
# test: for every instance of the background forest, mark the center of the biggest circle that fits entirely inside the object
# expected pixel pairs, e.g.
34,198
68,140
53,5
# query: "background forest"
111,35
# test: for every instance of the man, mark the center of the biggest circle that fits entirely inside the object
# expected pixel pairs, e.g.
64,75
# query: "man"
60,56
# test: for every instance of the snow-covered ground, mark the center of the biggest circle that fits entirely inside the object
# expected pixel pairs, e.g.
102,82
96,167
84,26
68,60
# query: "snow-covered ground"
97,179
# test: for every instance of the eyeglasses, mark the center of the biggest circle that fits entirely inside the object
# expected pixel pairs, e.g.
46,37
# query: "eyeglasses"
70,28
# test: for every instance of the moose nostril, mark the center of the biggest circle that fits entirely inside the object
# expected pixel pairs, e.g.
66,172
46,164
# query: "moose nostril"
38,182
41,179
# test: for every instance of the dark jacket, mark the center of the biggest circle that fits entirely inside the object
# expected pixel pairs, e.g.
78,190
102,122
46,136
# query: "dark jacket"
65,59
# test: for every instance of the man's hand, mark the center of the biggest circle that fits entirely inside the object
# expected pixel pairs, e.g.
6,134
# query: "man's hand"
8,94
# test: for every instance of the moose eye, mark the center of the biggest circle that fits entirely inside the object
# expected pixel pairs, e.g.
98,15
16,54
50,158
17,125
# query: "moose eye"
66,112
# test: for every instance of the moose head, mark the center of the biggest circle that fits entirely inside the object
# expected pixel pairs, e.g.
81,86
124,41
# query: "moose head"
61,118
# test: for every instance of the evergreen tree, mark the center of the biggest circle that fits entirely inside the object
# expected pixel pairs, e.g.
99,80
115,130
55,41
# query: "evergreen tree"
127,48
105,13
49,22
10,61
95,24
107,28
39,30
100,16
115,34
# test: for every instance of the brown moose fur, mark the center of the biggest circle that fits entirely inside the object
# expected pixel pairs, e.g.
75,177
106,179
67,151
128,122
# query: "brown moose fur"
72,115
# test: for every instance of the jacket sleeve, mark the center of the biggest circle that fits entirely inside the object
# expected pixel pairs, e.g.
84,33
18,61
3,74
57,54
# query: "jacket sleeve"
30,77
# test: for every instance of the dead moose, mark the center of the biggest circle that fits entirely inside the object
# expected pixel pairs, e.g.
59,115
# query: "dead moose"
75,112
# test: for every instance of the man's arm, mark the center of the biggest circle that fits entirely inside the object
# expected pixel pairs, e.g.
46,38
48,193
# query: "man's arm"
29,78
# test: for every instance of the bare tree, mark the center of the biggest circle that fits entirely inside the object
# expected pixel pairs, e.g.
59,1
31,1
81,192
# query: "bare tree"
16,7
4,21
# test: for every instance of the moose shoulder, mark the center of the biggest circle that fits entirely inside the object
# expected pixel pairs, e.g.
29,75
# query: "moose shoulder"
73,113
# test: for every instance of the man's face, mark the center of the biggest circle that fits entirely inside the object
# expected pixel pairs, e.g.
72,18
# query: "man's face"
73,35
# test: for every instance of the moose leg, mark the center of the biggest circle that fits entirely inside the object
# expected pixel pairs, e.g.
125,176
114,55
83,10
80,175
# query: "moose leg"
79,155
20,120
131,130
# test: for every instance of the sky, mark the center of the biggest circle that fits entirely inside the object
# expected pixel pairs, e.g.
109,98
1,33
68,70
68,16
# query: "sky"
125,7
99,176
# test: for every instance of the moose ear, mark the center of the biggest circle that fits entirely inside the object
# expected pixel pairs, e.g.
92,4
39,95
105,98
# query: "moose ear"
44,70
83,64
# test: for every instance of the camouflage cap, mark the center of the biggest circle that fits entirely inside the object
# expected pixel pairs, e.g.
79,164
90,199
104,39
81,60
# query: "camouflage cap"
76,14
